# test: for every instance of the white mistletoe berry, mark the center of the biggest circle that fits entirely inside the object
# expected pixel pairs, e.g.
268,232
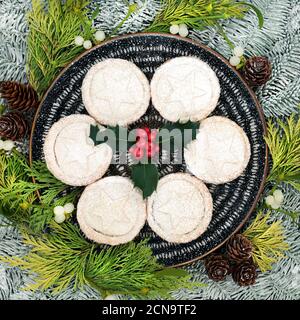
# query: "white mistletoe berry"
275,205
270,200
79,41
87,44
59,218
69,207
7,145
183,30
238,51
59,210
112,297
278,195
235,61
174,29
99,35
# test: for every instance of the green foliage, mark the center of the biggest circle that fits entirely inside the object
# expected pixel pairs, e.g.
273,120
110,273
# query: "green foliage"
179,133
116,137
145,176
283,140
258,13
132,8
198,14
52,30
267,240
57,259
64,258
28,203
2,109
12,170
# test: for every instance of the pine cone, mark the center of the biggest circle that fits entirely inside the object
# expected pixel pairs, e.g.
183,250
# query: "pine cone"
257,71
217,267
239,248
13,126
244,274
20,97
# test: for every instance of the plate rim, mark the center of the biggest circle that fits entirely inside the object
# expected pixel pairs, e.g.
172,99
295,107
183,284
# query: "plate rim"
218,55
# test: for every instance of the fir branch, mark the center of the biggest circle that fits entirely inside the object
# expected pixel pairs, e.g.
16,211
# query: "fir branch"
267,240
52,30
12,170
19,194
57,259
132,8
64,258
283,140
199,14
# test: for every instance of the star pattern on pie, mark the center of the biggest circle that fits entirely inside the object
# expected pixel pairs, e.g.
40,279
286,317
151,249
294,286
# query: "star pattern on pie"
220,152
111,211
114,211
184,210
192,92
180,209
127,83
225,147
116,92
74,152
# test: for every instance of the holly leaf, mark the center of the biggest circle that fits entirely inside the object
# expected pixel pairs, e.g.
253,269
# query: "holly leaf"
115,137
181,134
145,177
93,134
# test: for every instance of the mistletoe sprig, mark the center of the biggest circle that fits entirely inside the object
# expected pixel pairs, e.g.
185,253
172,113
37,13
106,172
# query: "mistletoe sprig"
29,204
62,257
58,32
200,14
144,145
52,29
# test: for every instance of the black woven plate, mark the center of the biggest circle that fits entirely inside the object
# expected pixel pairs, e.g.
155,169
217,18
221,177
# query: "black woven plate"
233,202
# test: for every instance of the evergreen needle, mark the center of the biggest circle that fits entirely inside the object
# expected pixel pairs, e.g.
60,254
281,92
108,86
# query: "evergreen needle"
283,140
64,258
199,14
28,203
52,29
267,240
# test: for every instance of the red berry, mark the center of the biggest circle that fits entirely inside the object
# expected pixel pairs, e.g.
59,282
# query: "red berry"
148,130
151,150
138,153
142,143
141,134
